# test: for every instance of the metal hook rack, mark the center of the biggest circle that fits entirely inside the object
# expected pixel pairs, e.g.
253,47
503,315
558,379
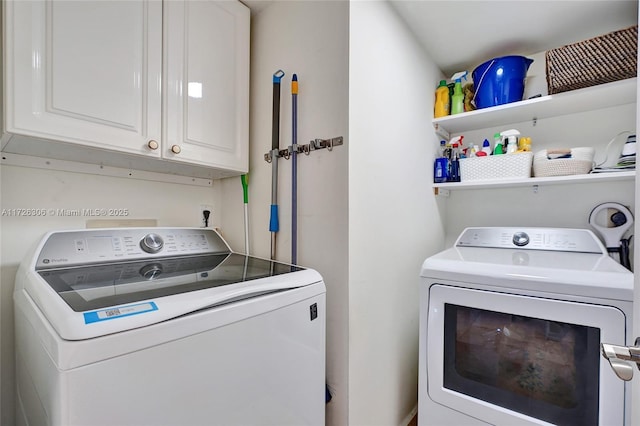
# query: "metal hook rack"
305,149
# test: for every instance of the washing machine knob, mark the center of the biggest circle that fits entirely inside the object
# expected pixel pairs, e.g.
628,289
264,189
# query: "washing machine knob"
520,239
151,271
152,243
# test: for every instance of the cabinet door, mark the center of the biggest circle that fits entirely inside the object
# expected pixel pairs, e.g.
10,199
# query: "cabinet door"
86,72
207,83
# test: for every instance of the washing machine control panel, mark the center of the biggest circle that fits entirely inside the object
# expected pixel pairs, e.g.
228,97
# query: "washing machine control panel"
552,239
85,247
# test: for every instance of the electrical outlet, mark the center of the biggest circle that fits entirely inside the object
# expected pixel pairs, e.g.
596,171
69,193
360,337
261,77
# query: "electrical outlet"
205,222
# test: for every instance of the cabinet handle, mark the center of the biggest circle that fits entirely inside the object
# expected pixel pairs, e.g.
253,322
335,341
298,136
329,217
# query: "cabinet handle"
176,149
152,145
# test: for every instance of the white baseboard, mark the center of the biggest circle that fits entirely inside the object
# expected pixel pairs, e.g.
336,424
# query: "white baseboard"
410,416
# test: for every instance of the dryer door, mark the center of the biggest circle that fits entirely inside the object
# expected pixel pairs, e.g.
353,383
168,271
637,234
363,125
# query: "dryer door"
507,359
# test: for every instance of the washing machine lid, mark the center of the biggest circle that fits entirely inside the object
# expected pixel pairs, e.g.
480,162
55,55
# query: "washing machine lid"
86,288
553,260
91,283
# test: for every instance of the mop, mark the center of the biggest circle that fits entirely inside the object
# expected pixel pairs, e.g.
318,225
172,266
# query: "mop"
294,170
275,146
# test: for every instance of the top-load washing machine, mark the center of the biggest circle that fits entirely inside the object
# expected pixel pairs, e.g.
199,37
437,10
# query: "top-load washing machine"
160,326
511,323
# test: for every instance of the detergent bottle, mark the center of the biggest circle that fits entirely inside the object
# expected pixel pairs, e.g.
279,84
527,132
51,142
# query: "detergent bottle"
457,100
441,165
441,107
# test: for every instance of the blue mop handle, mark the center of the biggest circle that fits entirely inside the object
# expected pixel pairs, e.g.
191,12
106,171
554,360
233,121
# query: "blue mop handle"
274,226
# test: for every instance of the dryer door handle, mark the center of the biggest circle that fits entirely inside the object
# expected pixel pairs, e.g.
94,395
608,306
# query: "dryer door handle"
618,357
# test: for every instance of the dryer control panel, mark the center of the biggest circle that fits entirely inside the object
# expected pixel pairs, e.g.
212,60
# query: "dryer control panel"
551,239
71,248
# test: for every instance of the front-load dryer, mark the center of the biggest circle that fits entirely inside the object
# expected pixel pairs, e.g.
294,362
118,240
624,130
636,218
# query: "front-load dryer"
511,322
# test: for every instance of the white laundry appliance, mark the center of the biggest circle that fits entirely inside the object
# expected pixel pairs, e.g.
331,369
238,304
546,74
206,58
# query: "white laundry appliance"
511,323
161,326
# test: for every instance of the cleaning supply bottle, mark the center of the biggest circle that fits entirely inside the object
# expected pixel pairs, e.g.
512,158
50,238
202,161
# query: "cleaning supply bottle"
441,165
486,147
441,107
454,161
457,140
454,164
524,144
457,100
511,138
497,144
441,170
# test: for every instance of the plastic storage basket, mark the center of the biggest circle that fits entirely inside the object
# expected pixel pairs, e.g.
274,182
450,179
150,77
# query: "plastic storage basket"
496,167
581,162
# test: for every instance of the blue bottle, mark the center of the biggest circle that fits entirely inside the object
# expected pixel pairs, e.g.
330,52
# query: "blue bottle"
441,165
441,170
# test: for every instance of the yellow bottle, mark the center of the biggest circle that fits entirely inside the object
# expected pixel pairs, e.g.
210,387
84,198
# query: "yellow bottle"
441,107
524,144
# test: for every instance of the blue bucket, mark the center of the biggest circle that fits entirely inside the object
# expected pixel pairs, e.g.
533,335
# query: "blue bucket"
500,81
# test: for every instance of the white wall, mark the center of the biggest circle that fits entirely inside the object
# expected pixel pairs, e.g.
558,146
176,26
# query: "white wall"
309,38
21,187
394,221
357,223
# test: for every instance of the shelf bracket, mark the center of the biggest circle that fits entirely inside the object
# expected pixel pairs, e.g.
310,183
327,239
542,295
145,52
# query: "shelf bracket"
443,192
441,132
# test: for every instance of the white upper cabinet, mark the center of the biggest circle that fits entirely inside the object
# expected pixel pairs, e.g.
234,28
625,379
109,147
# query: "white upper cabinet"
207,82
85,72
165,80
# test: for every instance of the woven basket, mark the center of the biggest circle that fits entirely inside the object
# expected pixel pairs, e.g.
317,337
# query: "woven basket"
599,60
496,167
544,167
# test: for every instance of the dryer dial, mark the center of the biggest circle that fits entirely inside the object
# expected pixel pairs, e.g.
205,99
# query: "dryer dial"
152,243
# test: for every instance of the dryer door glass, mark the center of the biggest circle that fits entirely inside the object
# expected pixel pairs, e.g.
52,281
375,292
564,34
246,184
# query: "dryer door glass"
545,369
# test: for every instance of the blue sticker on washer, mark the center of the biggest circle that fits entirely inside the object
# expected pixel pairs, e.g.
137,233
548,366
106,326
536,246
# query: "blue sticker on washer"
119,312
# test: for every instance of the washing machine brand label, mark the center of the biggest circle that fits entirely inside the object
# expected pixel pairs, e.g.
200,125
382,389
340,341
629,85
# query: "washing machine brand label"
119,312
61,260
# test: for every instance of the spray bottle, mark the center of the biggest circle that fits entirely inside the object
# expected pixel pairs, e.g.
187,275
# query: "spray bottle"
511,138
454,163
457,100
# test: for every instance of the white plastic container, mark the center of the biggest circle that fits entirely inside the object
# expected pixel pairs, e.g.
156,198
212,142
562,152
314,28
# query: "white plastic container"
496,167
